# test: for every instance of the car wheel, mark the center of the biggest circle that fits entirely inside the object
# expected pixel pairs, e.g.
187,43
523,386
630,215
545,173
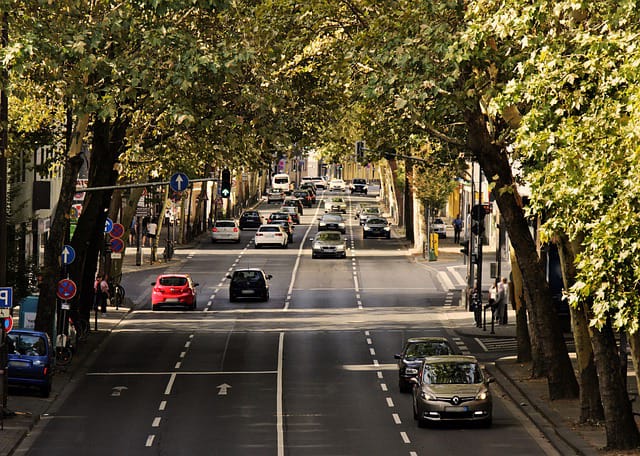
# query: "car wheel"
364,236
193,306
487,422
404,387
313,255
388,236
415,410
237,241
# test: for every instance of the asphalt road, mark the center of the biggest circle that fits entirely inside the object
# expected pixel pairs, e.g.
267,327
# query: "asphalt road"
311,372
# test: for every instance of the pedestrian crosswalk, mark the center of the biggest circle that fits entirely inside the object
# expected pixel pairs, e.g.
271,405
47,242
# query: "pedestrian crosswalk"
507,344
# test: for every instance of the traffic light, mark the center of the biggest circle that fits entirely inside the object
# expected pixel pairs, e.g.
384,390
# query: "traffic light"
225,187
359,151
479,211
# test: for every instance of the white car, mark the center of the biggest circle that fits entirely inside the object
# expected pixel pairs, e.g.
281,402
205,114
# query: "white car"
438,226
335,204
271,234
225,230
337,185
319,182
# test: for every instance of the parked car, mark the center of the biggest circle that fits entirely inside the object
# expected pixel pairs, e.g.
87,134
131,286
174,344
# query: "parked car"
376,227
31,359
250,219
368,211
415,350
335,204
174,290
294,202
337,185
225,230
293,212
275,195
271,234
332,222
359,186
250,283
438,226
329,243
451,388
305,196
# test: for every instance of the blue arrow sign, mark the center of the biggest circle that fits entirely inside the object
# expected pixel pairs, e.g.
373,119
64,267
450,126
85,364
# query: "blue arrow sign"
68,254
179,182
6,297
108,225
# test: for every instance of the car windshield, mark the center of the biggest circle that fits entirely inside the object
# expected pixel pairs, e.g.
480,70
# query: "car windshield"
173,281
329,237
462,373
438,222
26,344
371,210
331,218
376,221
420,350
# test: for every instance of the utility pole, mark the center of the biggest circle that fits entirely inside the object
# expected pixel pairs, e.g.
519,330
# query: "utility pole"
4,139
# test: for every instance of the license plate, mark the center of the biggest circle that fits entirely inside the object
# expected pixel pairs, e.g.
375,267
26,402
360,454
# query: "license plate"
19,363
458,409
247,292
172,300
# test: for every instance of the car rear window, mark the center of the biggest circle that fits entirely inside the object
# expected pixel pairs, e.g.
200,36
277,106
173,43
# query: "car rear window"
26,344
247,276
173,281
225,224
332,218
359,181
269,229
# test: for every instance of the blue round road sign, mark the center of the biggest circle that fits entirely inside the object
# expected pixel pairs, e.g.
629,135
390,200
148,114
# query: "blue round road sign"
68,254
179,182
66,289
108,225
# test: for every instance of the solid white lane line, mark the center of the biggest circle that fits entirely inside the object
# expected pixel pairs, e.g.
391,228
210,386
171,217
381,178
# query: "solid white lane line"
156,422
172,379
279,393
150,440
396,418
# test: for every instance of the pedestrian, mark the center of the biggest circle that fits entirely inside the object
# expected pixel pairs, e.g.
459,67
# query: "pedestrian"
457,228
152,229
132,231
101,290
501,301
476,307
504,302
493,300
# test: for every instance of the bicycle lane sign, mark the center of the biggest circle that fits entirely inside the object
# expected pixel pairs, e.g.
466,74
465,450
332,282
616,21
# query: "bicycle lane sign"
66,289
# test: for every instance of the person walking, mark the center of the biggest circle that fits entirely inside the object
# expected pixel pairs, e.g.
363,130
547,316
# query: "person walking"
152,230
101,290
501,301
457,228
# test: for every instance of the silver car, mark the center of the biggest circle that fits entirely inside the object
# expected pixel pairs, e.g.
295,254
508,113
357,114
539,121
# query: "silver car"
368,211
438,226
329,243
225,230
451,388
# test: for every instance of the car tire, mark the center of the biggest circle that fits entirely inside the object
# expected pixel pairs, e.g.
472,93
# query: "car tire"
404,387
388,236
364,236
237,241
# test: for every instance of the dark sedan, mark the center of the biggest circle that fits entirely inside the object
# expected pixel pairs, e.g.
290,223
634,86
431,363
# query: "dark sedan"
376,227
415,350
249,283
329,243
250,219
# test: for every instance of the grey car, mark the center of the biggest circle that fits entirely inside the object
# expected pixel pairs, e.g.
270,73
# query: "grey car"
451,388
329,243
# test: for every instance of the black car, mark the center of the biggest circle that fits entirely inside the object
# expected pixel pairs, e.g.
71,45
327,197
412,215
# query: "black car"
415,350
359,186
251,283
305,197
294,202
250,219
376,227
332,222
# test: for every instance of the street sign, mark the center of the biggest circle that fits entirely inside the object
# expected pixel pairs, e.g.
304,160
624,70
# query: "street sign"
142,211
66,289
179,182
116,256
117,231
108,225
68,254
7,323
6,297
116,245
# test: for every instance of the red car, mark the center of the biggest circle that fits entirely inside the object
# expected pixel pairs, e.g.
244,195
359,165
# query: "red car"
174,290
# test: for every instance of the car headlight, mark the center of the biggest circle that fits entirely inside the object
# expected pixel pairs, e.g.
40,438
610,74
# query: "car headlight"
339,248
366,228
482,395
410,371
323,224
341,225
427,396
387,228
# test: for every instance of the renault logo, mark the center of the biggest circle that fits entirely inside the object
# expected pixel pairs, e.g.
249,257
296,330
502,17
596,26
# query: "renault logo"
455,400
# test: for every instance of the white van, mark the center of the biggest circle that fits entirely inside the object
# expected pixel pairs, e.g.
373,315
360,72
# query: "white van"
281,182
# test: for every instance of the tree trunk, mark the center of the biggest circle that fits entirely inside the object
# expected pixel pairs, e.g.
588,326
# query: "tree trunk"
591,410
408,201
495,164
522,327
621,430
634,343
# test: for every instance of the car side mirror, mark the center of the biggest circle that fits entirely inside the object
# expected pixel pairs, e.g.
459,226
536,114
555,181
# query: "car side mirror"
490,380
397,356
269,276
153,283
228,276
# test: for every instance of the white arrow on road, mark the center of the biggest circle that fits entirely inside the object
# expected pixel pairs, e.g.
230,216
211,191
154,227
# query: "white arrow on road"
223,389
117,390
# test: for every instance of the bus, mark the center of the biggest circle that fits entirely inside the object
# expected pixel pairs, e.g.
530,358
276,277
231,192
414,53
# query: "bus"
281,182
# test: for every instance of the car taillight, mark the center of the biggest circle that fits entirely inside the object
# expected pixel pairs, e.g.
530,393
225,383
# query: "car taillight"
235,230
214,229
45,370
278,234
258,234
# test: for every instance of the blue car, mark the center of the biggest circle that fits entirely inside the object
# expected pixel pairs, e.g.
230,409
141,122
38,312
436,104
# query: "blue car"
31,359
